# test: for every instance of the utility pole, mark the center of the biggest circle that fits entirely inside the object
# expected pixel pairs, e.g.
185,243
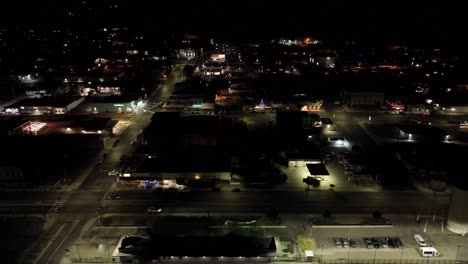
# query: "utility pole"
321,256
349,250
456,254
375,255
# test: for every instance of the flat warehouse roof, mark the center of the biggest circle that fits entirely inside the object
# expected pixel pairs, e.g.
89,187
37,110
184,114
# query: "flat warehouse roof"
317,169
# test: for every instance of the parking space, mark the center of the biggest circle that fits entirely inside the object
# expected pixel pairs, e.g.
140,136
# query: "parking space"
385,242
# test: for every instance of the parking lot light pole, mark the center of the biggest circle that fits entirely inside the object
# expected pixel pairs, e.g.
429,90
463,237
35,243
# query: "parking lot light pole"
349,249
401,257
375,255
456,254
78,250
321,256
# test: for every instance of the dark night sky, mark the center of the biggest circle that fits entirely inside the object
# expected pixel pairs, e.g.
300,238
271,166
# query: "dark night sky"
421,22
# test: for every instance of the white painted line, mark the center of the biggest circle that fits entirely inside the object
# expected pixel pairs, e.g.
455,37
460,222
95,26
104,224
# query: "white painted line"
61,243
48,244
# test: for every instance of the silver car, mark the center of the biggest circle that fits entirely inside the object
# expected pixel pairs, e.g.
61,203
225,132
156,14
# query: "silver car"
338,242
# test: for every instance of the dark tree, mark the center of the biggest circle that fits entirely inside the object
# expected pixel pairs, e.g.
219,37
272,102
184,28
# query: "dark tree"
188,71
377,214
311,181
272,213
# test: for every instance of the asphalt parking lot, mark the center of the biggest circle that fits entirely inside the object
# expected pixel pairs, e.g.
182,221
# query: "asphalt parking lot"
403,227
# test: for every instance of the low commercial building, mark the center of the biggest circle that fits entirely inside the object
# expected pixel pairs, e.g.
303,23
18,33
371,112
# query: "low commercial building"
44,105
92,126
418,132
311,105
213,68
395,105
196,169
327,124
115,104
295,159
297,120
364,98
226,248
191,103
20,126
317,170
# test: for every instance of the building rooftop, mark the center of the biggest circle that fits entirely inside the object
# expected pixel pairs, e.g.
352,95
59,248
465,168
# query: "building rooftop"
110,99
326,121
174,124
317,169
190,161
53,101
426,130
230,245
303,156
93,124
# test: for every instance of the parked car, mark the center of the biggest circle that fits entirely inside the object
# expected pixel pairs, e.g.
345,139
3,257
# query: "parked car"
338,242
114,196
390,242
185,189
398,242
375,242
420,240
154,209
368,243
345,243
352,243
383,242
113,173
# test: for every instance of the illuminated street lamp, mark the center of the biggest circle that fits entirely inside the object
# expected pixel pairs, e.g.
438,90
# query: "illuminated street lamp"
375,255
401,257
456,254
321,256
349,250
78,250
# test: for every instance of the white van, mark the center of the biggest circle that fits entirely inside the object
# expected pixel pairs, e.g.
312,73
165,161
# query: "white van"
420,240
428,252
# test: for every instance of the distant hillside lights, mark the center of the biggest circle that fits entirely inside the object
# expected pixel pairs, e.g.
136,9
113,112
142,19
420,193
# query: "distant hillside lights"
298,42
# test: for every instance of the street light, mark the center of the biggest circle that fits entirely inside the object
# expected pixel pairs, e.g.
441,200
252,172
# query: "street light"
349,249
456,254
78,250
401,257
375,255
321,256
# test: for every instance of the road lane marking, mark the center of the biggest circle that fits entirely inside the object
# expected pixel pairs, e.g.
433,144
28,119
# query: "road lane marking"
49,243
63,241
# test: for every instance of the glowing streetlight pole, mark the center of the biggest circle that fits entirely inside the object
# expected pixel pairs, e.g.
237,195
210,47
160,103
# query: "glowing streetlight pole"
78,250
321,256
456,254
375,255
349,249
401,257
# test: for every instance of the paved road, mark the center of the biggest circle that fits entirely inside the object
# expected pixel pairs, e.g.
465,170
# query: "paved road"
284,201
84,202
